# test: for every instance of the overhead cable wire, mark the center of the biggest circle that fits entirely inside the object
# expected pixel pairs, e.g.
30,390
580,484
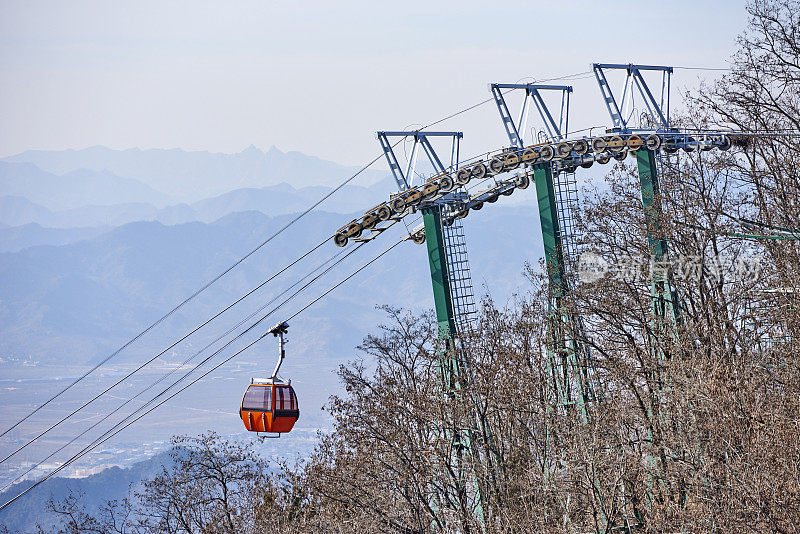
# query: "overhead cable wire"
703,68
196,293
226,271
370,262
111,433
746,222
231,341
152,359
104,437
223,273
174,370
486,101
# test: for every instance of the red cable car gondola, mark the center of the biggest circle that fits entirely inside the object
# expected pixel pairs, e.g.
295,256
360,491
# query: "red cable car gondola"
269,405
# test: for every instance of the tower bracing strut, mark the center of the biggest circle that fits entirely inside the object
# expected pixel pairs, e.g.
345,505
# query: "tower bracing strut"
657,110
516,130
405,180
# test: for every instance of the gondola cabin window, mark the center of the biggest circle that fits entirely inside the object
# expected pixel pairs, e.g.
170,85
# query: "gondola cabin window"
258,398
285,399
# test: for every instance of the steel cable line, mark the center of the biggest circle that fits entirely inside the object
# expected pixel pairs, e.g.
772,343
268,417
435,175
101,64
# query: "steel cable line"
195,294
215,279
108,434
171,372
226,271
482,102
223,347
146,363
111,432
298,217
219,276
703,68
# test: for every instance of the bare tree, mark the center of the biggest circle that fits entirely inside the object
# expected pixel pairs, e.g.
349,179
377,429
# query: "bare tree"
113,517
213,486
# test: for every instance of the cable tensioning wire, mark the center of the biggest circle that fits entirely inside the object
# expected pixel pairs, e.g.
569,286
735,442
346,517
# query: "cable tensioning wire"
195,294
702,68
482,102
231,341
226,271
183,364
290,223
143,365
111,433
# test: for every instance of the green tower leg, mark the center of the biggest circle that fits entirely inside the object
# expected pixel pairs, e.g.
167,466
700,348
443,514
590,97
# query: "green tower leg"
665,298
445,317
565,354
442,294
551,232
666,307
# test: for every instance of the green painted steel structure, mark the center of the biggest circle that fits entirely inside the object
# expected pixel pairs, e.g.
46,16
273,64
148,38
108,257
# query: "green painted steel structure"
450,366
442,293
551,231
567,355
665,299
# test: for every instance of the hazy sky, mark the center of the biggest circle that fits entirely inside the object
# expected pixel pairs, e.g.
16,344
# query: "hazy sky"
318,77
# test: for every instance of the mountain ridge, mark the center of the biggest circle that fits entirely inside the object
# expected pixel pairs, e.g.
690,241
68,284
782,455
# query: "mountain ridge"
280,199
73,188
188,176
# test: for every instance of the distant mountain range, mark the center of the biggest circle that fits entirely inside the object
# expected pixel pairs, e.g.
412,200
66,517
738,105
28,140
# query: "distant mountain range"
274,200
74,188
16,238
101,187
184,176
85,297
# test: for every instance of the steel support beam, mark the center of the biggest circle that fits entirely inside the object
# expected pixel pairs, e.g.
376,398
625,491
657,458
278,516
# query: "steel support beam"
442,293
658,111
516,132
405,179
665,305
551,231
450,366
665,298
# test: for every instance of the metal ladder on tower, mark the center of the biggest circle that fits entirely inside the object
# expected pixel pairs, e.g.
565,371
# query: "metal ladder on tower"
566,191
458,271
